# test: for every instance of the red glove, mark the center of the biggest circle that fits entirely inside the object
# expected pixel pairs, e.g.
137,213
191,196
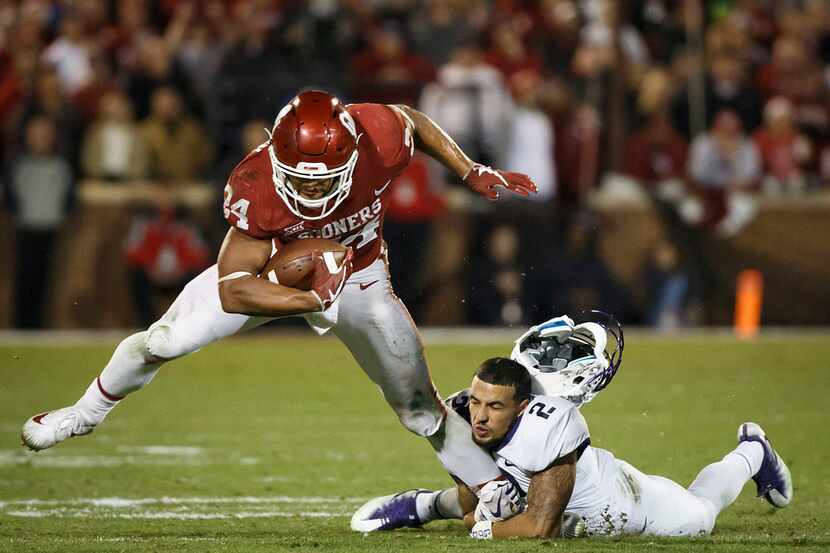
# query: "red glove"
484,180
328,278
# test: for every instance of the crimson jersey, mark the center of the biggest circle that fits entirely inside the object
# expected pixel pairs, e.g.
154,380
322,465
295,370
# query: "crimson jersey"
385,147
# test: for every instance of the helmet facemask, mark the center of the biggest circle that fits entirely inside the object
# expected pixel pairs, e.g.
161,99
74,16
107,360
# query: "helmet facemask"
295,201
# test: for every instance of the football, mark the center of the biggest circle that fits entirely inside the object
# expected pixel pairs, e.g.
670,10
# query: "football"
291,265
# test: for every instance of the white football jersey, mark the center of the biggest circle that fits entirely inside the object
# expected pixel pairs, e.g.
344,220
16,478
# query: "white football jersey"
550,428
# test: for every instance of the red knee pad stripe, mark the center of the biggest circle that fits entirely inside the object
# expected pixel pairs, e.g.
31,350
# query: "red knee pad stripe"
106,394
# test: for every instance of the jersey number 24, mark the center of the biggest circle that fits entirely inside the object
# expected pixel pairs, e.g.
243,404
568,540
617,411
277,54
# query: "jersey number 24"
239,208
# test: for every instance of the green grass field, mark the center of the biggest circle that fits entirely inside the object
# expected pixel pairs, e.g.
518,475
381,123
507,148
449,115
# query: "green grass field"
269,443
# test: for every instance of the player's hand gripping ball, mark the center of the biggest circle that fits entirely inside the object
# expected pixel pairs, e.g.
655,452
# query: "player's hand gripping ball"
329,277
293,264
498,500
313,264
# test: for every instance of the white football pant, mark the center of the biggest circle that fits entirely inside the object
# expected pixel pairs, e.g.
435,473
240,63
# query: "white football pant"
662,507
370,320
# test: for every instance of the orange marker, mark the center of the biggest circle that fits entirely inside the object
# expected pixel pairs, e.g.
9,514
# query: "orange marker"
749,298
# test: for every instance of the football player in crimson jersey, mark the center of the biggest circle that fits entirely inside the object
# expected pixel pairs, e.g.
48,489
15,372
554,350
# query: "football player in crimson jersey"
323,172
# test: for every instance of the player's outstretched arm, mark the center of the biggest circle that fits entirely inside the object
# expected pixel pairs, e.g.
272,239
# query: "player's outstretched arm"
241,258
547,498
432,140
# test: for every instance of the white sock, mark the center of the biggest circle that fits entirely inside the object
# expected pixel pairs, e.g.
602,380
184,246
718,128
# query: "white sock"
96,404
438,505
720,483
127,371
753,454
447,504
460,455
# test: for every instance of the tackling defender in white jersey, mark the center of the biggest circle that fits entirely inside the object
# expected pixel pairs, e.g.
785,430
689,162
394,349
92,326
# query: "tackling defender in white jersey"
542,445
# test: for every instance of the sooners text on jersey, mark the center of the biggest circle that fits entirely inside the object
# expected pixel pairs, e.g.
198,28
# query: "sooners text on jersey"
385,147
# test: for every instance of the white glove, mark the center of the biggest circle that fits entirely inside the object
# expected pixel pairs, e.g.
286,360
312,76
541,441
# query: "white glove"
498,500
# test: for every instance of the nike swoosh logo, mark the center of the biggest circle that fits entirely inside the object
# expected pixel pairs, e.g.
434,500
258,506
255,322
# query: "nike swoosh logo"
38,418
380,190
364,286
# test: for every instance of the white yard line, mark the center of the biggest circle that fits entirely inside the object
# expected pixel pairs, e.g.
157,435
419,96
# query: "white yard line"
132,539
174,515
123,502
182,508
152,455
40,460
173,450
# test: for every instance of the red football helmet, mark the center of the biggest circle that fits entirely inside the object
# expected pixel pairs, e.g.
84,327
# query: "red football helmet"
314,137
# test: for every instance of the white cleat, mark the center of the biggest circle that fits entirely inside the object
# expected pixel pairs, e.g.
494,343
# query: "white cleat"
47,429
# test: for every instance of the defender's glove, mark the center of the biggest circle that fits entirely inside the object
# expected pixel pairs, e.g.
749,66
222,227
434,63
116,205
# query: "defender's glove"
328,278
484,180
498,500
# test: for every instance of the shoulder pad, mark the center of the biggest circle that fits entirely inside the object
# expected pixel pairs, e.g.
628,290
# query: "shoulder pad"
385,132
242,204
460,403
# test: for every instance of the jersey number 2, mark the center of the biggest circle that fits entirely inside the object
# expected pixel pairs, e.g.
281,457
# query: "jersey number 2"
541,410
239,208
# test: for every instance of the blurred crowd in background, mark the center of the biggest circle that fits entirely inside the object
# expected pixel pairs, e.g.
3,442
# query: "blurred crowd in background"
702,104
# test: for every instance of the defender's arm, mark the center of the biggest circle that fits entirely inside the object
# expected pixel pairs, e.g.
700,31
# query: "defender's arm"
547,498
241,258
